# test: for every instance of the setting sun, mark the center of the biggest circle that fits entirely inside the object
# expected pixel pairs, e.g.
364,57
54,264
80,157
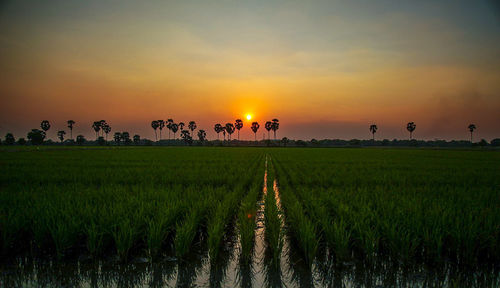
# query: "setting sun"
249,116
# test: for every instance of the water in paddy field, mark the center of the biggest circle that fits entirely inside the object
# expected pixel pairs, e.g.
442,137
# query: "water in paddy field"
198,270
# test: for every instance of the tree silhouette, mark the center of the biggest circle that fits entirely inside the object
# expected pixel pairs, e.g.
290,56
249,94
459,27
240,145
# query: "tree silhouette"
471,127
411,127
9,139
117,137
102,125
161,124
202,135
285,141
155,125
45,125
175,128
238,124
36,136
181,126
192,126
126,138
255,127
268,126
230,130
70,126
21,141
186,137
106,130
275,126
96,126
169,126
217,129
60,135
137,139
223,129
80,140
373,129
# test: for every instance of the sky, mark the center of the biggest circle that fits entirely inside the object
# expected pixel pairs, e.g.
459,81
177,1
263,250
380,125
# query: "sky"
325,69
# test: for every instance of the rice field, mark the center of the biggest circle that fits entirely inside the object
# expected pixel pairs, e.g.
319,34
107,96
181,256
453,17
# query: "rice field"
326,214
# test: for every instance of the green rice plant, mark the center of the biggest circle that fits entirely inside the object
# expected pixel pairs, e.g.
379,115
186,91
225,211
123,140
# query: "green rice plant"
186,232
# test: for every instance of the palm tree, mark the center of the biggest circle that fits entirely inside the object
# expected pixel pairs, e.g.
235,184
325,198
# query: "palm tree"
229,129
175,128
411,127
154,125
268,126
161,124
70,126
275,126
96,126
217,129
169,126
106,129
202,135
186,137
181,126
192,126
137,139
472,127
103,124
238,124
61,134
223,129
373,129
255,128
45,125
118,137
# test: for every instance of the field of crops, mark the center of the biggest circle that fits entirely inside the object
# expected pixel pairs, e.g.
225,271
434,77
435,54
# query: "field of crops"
404,205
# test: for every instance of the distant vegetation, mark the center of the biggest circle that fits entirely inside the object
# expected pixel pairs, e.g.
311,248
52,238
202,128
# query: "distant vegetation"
189,137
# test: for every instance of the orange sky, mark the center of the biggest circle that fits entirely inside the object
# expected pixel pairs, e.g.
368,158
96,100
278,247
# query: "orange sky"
325,70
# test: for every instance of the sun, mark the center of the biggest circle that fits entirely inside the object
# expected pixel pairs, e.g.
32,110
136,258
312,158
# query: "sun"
249,117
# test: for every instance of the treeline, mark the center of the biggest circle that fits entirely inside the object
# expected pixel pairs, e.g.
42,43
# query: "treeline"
124,139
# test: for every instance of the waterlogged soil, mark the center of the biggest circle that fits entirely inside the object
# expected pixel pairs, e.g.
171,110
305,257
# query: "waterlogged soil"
198,270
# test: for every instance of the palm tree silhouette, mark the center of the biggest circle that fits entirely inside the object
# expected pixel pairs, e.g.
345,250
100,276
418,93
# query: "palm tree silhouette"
411,127
169,126
202,135
255,128
96,126
373,129
45,125
223,129
275,126
106,129
192,126
217,129
161,124
268,126
126,138
70,126
175,128
154,125
238,124
181,126
103,124
471,127
229,129
186,137
60,135
80,139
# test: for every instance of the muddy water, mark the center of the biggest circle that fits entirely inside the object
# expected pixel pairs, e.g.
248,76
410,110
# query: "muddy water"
198,270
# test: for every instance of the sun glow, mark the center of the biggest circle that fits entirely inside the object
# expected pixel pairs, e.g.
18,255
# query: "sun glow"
249,117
